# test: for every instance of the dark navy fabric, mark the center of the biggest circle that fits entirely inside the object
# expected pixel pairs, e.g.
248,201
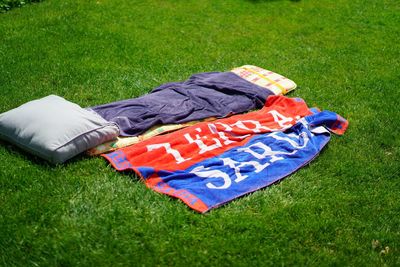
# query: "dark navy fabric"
203,95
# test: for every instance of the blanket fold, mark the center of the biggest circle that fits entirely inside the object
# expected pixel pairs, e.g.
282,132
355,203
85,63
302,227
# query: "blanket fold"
203,95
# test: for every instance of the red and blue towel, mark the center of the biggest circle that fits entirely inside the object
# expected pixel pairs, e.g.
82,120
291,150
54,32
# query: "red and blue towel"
211,163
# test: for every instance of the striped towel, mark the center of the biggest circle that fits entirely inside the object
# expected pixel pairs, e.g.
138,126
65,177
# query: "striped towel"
275,82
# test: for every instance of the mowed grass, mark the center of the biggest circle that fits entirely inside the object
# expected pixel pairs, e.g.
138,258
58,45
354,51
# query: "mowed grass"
342,209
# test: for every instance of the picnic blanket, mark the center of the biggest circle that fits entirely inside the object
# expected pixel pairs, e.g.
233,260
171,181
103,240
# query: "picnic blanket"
203,95
211,163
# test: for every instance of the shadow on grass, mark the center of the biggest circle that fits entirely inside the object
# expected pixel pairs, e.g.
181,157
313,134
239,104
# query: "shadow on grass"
16,151
6,5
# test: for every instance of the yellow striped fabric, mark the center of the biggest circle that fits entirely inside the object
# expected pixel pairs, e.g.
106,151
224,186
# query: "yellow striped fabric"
273,81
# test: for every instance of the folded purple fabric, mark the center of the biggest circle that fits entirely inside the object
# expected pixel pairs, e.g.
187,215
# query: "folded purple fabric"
203,95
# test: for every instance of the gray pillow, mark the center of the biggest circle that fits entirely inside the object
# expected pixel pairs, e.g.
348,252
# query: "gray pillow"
54,128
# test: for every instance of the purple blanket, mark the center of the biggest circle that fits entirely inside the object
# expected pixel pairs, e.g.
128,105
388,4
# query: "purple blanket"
203,95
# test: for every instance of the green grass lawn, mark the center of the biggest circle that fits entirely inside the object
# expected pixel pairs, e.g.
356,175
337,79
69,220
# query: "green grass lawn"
342,209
